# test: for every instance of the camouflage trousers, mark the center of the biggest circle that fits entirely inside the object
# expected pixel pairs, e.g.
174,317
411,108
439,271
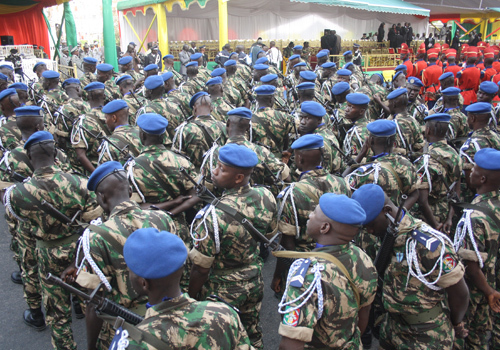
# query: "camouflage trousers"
14,245
247,297
57,301
495,331
477,321
395,334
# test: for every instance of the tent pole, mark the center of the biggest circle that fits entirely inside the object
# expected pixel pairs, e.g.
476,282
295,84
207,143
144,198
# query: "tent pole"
223,25
161,22
108,29
133,29
47,23
60,33
146,36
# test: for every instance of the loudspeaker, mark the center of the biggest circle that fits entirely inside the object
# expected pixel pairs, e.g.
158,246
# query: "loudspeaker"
7,40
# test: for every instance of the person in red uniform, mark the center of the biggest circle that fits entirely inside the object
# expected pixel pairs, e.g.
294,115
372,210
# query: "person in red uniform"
420,63
489,71
437,46
481,46
430,77
469,77
463,55
405,57
496,63
452,67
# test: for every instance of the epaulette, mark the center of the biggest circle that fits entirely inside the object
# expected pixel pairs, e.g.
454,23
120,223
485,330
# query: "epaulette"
428,241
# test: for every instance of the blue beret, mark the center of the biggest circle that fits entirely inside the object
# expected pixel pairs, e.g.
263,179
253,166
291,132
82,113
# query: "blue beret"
151,66
238,156
489,87
401,67
3,77
196,56
479,108
38,64
358,99
166,76
125,60
340,208
415,81
6,66
309,141
488,159
29,111
451,91
241,112
265,90
313,108
261,67
217,72
328,65
438,117
70,81
262,60
356,45
152,254
123,78
152,82
230,63
196,97
7,92
50,74
268,78
102,172
349,52
306,86
90,60
398,73
308,75
292,57
95,85
396,93
168,56
380,76
298,47
152,123
23,86
340,88
132,43
38,137
300,64
371,197
192,64
114,106
382,128
348,64
344,72
322,54
214,81
446,75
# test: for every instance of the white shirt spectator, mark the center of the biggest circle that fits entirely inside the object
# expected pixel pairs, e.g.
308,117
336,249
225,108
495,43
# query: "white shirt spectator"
274,56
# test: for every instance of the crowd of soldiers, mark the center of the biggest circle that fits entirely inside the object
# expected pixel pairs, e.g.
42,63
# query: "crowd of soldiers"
164,193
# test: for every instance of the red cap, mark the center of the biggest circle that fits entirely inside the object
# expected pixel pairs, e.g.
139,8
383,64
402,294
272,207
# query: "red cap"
446,46
495,48
472,51
451,53
421,48
489,52
404,46
437,46
481,45
433,53
464,46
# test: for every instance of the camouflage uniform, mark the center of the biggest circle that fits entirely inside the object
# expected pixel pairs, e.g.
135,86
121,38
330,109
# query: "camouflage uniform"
168,110
409,302
409,136
232,95
111,91
56,242
326,90
332,160
356,137
374,110
181,99
123,220
204,73
438,106
10,135
244,72
220,107
135,76
240,85
485,233
416,109
133,107
183,322
85,80
193,85
271,128
443,162
177,76
236,274
339,123
56,98
478,139
124,137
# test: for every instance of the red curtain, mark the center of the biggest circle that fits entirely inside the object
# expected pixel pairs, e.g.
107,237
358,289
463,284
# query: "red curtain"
27,27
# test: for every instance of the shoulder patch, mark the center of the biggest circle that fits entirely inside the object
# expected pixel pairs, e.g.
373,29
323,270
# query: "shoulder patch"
449,263
431,243
291,318
297,280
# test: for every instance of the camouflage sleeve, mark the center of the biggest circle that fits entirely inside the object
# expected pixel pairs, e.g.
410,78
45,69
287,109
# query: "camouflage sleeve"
91,209
452,269
203,253
287,223
368,273
408,175
194,144
275,164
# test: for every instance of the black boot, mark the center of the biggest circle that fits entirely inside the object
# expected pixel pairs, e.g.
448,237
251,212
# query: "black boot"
34,318
78,309
16,277
366,339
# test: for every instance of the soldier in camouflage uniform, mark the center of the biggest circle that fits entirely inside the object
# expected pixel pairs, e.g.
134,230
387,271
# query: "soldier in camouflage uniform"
89,66
338,121
173,94
104,74
415,285
176,321
194,83
200,133
476,241
458,127
280,97
328,78
38,69
439,167
102,242
243,70
126,86
9,133
168,66
235,81
228,264
126,66
375,90
416,106
330,289
272,69
446,80
54,97
123,143
301,198
203,72
56,241
220,106
355,113
231,94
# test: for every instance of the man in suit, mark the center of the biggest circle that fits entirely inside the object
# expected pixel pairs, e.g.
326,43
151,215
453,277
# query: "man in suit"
184,57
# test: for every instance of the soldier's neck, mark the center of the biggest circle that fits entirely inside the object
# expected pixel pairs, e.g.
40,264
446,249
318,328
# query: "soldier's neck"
481,125
450,105
96,103
433,138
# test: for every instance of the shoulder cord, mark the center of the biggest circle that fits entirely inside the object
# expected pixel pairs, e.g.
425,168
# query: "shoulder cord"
203,216
251,128
426,173
289,194
360,172
464,227
140,111
347,141
57,115
413,263
130,176
104,149
466,146
84,244
45,106
179,135
493,118
451,131
3,120
400,133
6,200
441,107
123,342
209,156
77,131
315,285
5,160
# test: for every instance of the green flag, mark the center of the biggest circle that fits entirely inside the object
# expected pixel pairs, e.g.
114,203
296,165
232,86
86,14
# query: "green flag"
71,39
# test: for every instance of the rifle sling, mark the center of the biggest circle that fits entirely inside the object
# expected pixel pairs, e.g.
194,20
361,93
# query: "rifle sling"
205,132
326,256
393,172
485,210
259,120
156,174
103,127
125,142
36,201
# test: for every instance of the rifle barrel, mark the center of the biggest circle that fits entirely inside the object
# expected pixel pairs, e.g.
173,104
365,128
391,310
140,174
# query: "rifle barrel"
59,282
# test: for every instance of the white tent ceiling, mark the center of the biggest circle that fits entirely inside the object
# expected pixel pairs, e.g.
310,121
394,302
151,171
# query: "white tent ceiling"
456,6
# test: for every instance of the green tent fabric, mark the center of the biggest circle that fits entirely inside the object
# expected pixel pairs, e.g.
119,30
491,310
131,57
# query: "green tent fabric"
389,6
71,39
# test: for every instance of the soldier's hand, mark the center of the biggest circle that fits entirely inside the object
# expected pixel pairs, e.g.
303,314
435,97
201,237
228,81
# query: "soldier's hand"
364,150
179,200
285,156
460,331
494,301
69,275
276,284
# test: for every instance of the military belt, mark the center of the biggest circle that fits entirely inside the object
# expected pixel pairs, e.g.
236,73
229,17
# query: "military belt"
420,318
57,242
225,272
